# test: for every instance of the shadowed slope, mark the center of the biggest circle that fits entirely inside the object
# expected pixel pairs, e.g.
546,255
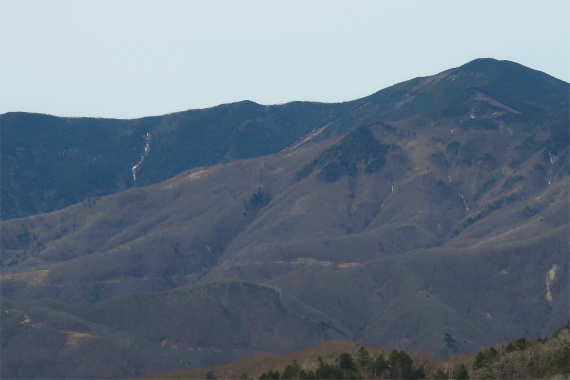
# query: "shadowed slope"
52,162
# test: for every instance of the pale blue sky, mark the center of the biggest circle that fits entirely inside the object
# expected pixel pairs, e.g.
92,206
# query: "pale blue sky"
133,58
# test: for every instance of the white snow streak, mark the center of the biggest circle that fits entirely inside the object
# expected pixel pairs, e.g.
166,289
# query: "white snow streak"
550,276
146,151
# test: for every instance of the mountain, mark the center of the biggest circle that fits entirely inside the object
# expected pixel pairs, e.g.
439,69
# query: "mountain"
431,215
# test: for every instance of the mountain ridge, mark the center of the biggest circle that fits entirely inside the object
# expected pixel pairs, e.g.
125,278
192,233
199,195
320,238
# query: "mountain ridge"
51,162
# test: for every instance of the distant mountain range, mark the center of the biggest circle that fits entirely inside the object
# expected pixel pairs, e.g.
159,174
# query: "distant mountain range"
430,215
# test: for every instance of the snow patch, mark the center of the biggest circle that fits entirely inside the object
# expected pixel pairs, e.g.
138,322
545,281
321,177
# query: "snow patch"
146,151
464,202
550,276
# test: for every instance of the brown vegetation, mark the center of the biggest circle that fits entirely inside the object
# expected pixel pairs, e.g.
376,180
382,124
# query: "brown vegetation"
523,359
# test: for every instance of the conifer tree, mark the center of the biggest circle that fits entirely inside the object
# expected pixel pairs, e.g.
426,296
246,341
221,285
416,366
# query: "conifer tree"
364,360
461,373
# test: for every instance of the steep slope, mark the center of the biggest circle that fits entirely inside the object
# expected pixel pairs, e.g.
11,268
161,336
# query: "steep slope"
451,221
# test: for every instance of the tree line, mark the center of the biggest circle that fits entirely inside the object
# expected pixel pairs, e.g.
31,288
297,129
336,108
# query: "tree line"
522,359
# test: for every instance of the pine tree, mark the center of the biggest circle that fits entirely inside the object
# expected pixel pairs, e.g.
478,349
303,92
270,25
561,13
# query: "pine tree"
346,362
479,361
380,366
364,360
461,373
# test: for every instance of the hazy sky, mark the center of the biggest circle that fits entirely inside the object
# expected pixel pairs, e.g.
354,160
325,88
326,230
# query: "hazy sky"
133,58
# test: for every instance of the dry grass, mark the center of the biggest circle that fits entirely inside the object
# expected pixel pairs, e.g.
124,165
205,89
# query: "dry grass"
30,278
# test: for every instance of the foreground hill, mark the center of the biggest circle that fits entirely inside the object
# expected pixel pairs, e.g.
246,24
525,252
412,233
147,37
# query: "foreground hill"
525,358
432,216
136,334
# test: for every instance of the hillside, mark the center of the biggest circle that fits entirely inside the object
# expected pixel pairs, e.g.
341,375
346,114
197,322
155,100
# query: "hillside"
49,162
431,212
136,334
524,358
